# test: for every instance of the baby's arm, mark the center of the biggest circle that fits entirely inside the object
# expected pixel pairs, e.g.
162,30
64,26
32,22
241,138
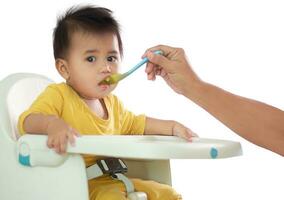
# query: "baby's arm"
167,127
58,131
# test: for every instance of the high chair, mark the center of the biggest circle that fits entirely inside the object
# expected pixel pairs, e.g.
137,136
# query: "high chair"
29,170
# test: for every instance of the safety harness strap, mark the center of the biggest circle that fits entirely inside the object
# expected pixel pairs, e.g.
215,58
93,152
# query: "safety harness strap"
112,166
127,182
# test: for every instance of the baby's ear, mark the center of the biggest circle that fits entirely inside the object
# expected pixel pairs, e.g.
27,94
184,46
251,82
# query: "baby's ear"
62,68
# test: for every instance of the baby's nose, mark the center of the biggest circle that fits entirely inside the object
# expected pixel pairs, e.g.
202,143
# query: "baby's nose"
106,68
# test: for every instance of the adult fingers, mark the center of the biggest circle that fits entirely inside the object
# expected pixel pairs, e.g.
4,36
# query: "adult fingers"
166,50
150,70
149,67
159,60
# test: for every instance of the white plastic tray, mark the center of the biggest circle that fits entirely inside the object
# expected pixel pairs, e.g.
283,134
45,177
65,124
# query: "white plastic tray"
156,147
33,148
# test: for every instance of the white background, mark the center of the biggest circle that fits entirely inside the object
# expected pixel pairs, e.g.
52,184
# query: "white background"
237,45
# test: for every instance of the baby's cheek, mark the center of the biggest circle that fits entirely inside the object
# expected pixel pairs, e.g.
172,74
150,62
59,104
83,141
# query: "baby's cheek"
115,70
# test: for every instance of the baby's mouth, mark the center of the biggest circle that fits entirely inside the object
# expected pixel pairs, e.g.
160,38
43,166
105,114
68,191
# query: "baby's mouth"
103,85
102,82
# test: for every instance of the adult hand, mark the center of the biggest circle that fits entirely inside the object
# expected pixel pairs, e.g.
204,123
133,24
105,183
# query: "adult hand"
172,66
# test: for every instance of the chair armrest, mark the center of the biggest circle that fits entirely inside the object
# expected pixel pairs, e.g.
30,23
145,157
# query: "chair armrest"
32,149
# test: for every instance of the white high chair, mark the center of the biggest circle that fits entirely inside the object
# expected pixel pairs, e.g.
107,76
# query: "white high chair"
49,176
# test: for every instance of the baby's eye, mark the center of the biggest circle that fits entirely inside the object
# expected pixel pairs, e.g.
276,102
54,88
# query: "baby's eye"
91,59
112,58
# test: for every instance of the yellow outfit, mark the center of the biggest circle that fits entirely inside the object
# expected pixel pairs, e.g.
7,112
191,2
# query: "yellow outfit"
61,100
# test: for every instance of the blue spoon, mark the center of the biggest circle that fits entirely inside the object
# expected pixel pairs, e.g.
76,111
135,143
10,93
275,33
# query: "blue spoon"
115,78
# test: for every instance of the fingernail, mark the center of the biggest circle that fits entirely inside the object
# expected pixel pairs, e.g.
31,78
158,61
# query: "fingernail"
150,55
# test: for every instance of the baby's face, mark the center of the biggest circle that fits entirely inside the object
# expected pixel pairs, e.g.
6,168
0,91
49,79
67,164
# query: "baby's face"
91,58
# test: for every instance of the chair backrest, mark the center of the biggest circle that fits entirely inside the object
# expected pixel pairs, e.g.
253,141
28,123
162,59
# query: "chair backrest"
21,92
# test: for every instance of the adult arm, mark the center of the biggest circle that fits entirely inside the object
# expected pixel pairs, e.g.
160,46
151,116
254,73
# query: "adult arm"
255,121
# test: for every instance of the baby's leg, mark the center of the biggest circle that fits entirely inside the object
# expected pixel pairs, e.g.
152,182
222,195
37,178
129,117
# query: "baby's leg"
156,191
106,189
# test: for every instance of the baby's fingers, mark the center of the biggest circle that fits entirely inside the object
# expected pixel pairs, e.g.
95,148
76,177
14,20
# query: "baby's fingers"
193,134
62,144
76,133
53,143
185,133
49,143
189,134
70,137
56,146
72,134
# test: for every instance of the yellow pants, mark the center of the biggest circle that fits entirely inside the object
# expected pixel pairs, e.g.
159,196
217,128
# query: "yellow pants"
106,188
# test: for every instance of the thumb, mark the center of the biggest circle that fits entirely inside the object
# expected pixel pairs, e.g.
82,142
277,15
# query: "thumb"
160,60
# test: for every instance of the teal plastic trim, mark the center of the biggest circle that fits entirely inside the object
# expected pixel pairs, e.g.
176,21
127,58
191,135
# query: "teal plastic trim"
24,160
214,153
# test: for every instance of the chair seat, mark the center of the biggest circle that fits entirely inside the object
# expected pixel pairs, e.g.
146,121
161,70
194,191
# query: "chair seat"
49,176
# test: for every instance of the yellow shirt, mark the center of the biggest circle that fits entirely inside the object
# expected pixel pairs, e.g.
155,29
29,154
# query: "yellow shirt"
61,100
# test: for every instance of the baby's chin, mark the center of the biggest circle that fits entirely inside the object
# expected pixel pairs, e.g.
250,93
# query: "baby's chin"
105,88
101,91
94,96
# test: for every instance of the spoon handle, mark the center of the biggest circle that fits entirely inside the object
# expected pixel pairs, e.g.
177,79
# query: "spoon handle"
138,65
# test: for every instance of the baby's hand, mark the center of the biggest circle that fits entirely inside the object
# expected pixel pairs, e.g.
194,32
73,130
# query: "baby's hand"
183,132
59,133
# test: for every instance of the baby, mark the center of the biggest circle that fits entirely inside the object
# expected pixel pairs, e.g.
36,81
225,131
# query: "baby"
87,49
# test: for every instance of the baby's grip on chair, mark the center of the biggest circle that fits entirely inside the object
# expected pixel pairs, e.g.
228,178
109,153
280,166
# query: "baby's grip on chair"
33,151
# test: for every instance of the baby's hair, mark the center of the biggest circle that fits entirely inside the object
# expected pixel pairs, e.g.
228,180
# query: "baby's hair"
88,19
